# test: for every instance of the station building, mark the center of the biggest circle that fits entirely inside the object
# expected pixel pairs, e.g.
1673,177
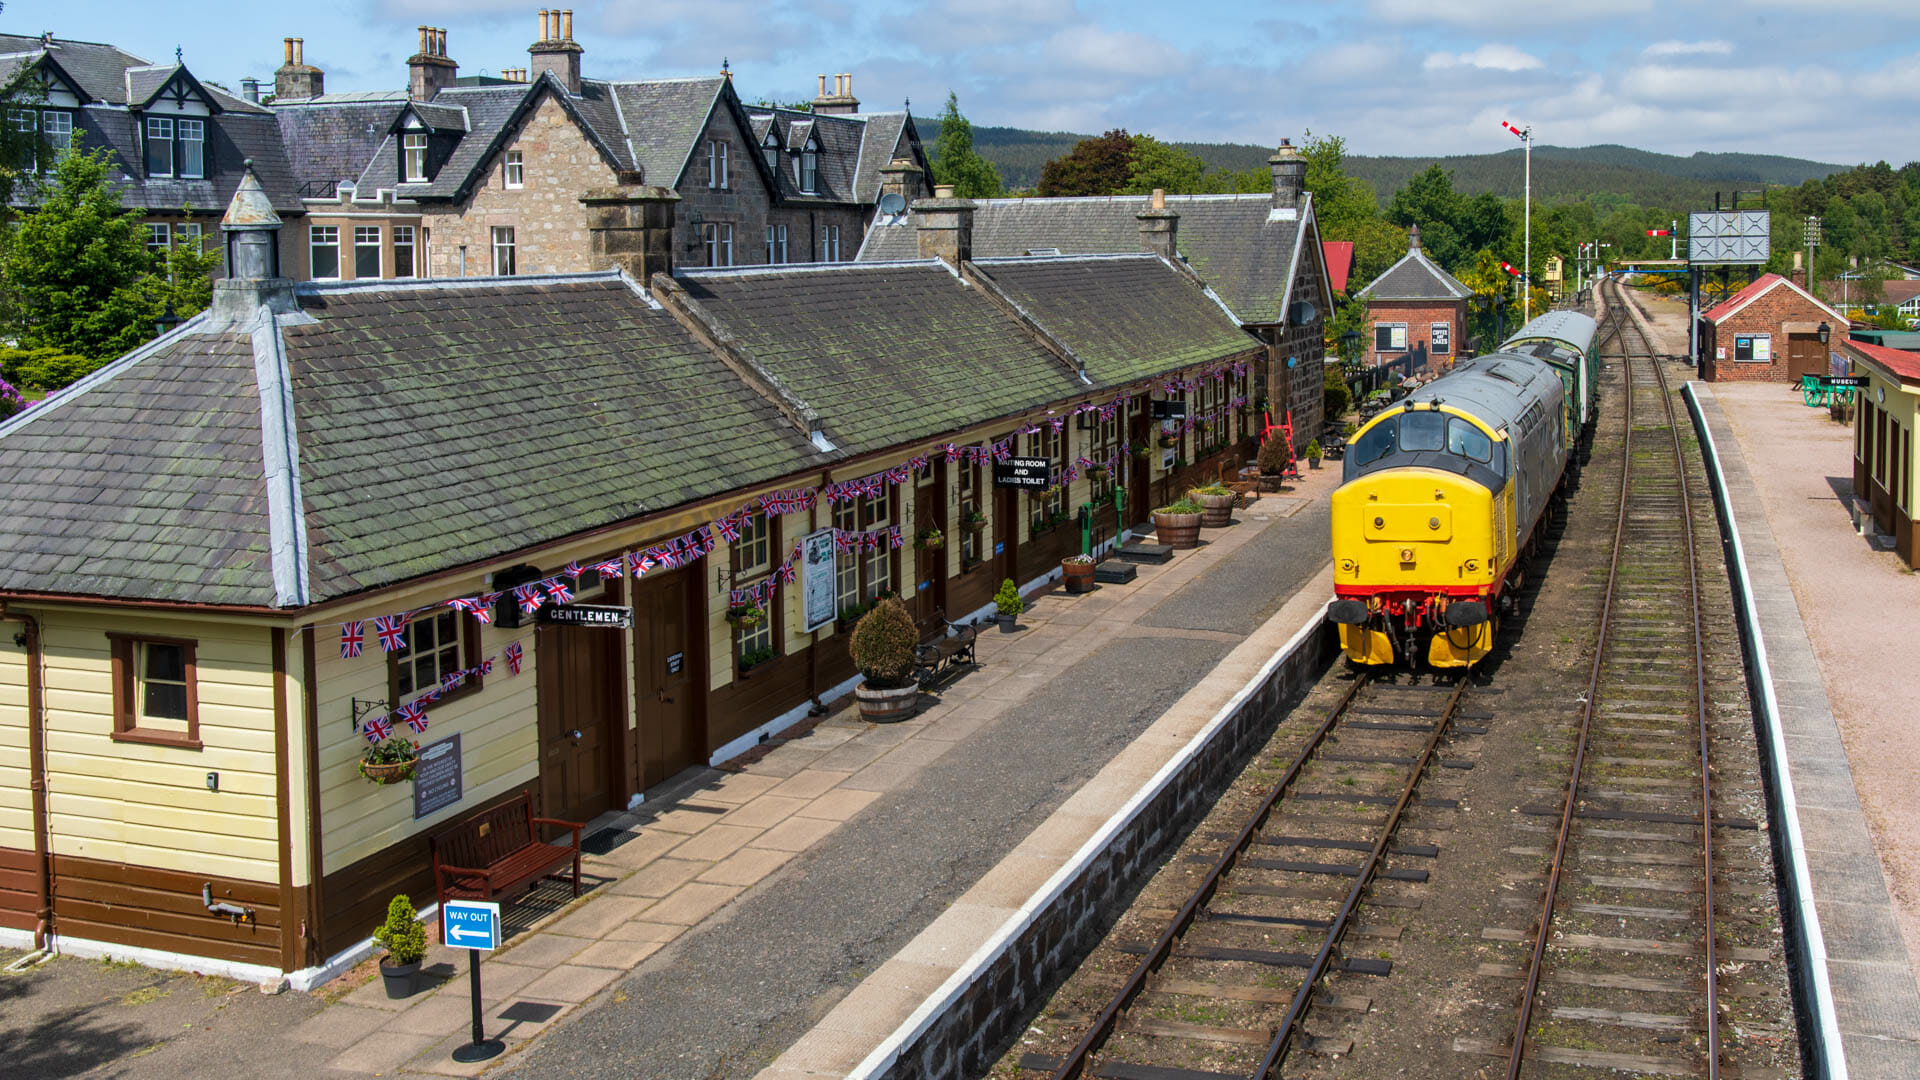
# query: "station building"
1885,419
1771,331
1415,310
230,559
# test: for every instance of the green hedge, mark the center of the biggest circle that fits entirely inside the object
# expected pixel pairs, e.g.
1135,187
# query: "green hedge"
43,369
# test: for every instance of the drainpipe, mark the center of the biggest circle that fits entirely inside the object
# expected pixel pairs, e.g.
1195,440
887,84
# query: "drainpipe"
37,775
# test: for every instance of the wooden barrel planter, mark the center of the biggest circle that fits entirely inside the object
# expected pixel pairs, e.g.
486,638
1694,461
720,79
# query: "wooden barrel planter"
887,706
1178,531
1077,576
1219,513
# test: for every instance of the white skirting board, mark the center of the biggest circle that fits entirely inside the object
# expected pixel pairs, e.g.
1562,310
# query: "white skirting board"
779,723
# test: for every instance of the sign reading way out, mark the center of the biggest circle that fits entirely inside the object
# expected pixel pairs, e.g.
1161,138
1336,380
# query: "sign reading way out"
470,924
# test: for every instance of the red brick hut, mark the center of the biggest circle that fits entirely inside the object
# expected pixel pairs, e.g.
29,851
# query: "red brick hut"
1770,331
1415,307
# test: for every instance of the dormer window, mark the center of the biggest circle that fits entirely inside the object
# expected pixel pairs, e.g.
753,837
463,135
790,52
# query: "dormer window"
190,153
159,146
770,149
413,159
807,171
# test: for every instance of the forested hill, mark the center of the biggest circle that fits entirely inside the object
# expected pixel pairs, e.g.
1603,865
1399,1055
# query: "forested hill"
1607,173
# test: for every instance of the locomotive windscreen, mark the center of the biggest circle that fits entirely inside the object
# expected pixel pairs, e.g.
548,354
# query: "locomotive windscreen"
1431,440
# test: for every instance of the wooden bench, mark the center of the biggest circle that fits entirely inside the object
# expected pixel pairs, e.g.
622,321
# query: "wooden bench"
499,851
953,646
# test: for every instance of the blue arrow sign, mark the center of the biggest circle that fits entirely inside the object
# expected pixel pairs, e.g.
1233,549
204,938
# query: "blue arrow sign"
470,924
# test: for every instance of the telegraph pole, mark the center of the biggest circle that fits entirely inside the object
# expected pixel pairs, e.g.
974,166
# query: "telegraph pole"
1526,209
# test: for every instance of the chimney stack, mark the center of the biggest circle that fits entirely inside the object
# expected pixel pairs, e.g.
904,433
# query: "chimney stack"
630,227
899,177
944,226
429,71
556,51
1798,275
250,89
253,281
1160,228
295,81
1413,238
841,101
1289,176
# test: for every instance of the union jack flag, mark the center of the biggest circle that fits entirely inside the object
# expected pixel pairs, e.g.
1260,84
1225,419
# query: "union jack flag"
528,597
1030,429
392,630
573,571
514,656
728,528
894,539
376,729
415,714
703,536
452,679
486,666
899,474
1058,424
557,591
787,574
1003,451
352,636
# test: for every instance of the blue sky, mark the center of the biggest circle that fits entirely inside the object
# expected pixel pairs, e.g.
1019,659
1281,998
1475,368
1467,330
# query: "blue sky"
1834,80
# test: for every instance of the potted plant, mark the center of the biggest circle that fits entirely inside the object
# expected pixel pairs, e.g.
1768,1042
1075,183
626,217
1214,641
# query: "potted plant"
390,761
1313,453
975,520
747,615
1178,525
753,658
1140,452
406,943
930,538
1096,473
882,649
1217,500
1008,605
1168,441
1275,460
1077,572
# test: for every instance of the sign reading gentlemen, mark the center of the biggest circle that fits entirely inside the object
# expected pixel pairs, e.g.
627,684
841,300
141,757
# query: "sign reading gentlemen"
612,618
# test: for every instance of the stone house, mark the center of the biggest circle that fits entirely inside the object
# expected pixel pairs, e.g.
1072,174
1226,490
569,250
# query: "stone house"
1415,310
475,176
179,143
394,484
1771,331
1259,256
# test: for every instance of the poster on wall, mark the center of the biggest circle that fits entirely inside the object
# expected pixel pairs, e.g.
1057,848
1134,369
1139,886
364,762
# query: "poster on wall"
437,783
816,580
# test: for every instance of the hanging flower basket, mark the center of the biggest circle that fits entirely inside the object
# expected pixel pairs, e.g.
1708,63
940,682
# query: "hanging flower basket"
930,539
976,521
390,761
1097,473
744,616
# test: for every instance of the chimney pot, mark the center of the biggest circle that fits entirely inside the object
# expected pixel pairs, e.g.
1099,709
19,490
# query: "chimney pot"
287,43
1159,198
823,86
544,35
847,90
943,191
423,41
1289,176
299,52
566,24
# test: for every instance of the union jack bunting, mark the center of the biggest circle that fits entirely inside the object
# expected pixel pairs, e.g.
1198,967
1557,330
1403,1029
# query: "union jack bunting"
415,714
894,538
737,598
664,556
728,528
951,451
705,536
1031,429
640,562
899,474
1084,407
1002,452
352,636
486,666
787,574
376,728
392,630
557,591
514,655
452,679
608,569
528,597
844,542
573,571
431,696
1058,424
919,463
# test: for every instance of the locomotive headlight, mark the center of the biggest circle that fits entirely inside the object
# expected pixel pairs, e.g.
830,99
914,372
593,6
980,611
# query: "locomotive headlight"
1406,554
1346,566
1433,523
1379,523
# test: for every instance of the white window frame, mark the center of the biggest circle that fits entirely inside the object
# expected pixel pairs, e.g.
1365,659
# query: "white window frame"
189,234
159,237
502,240
514,172
184,163
719,241
716,165
806,169
413,158
320,237
403,237
158,129
830,243
365,237
770,149
57,126
776,244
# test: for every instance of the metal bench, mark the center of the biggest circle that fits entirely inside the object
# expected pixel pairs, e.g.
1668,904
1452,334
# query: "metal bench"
499,851
934,658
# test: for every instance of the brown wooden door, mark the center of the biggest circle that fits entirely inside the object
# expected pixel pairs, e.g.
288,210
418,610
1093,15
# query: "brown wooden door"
672,737
1008,505
580,681
929,564
1139,469
1805,356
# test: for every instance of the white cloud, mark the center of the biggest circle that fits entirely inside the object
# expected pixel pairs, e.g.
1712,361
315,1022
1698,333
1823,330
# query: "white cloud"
1487,58
1482,13
1689,48
1094,50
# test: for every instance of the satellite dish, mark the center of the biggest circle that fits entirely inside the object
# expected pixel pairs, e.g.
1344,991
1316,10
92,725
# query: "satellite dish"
893,203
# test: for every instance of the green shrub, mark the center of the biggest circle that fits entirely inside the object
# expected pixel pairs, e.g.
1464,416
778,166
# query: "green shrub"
43,369
402,935
1337,397
882,644
1313,448
1184,506
1211,489
1007,601
1274,457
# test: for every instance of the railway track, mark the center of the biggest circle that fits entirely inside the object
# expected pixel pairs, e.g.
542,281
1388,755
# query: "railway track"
1332,816
1632,853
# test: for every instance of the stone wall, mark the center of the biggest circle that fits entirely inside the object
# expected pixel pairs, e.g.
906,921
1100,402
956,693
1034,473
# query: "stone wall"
960,1038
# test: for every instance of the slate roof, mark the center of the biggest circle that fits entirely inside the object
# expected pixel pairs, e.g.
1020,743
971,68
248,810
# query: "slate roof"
1415,277
888,136
328,140
1127,317
144,481
853,147
100,69
664,119
1228,240
232,138
884,353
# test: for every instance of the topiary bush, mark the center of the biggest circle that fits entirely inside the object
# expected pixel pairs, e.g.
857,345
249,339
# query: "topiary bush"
402,935
1007,601
1336,398
1275,456
882,645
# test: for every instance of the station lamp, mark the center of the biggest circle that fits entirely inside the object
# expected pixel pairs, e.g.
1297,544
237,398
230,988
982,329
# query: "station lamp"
1825,332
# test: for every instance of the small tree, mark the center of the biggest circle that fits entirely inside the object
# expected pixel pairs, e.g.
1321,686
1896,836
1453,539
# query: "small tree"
402,935
1007,601
1275,456
955,161
882,644
1099,166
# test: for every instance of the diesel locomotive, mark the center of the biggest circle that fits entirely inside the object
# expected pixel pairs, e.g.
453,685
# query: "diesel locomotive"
1440,502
